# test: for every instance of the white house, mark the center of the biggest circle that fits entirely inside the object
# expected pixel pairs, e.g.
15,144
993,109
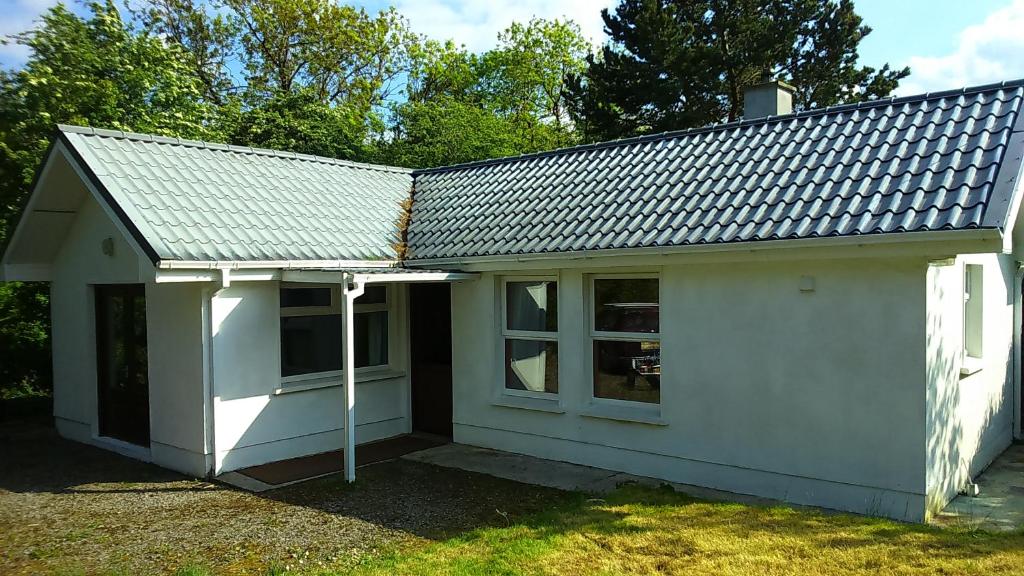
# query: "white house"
821,307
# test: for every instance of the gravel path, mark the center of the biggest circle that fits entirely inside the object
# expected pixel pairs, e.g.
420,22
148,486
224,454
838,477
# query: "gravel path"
70,508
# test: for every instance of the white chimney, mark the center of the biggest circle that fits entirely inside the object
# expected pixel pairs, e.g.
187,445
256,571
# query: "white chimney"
767,99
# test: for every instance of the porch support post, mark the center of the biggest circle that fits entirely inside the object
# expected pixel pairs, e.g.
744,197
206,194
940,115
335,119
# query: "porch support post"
350,290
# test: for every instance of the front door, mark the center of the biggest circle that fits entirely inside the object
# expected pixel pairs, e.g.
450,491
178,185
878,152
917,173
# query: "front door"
431,362
121,362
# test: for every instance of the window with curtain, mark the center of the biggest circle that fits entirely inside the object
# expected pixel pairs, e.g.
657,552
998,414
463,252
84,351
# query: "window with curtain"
530,336
311,330
626,337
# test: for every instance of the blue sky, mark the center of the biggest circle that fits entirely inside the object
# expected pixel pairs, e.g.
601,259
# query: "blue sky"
947,43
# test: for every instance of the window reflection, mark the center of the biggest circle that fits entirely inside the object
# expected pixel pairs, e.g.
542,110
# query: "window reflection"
531,365
627,370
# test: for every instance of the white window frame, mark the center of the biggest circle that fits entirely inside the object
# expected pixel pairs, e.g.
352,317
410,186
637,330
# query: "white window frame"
593,335
335,308
973,313
536,335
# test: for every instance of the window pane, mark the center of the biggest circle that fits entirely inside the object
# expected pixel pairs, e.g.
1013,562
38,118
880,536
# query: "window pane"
373,295
305,297
627,370
626,305
310,344
371,329
973,309
531,365
532,306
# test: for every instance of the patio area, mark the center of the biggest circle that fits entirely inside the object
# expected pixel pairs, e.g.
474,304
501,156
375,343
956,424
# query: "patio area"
1000,505
294,470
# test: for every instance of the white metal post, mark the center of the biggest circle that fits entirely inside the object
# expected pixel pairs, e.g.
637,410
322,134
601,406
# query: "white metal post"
350,290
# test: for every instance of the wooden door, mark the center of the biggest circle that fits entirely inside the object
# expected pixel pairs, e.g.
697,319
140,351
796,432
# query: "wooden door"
431,357
122,364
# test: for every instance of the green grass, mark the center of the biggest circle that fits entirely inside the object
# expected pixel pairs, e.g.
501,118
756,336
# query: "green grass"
640,530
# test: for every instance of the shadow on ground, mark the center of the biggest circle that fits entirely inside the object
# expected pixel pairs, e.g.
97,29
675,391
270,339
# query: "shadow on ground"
70,507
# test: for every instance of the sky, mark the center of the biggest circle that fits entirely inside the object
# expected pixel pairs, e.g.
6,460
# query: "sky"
946,43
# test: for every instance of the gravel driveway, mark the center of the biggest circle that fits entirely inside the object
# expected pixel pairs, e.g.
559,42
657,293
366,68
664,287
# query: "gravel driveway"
70,508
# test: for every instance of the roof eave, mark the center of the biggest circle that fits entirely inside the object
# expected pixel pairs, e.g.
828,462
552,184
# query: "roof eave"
272,264
974,240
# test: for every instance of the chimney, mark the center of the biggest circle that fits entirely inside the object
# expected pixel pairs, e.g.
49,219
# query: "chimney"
770,98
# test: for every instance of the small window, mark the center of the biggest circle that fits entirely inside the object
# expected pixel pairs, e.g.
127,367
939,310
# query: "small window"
626,339
973,310
530,333
311,330
305,297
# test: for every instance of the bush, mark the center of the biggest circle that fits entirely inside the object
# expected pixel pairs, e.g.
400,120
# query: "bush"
25,366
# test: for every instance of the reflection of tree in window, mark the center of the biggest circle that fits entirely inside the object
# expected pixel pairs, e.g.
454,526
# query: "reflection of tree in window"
626,354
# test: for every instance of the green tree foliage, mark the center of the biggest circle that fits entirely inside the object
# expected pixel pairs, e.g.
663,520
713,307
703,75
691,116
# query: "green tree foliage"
524,77
207,37
673,64
274,66
300,122
446,130
94,71
24,337
510,100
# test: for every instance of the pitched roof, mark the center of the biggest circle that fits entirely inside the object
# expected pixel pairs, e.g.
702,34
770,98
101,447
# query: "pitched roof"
931,162
188,200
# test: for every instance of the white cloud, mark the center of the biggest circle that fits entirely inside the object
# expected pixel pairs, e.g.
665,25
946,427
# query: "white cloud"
18,16
986,52
476,23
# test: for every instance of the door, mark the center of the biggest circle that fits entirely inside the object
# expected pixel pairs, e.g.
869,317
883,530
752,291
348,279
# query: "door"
430,312
121,362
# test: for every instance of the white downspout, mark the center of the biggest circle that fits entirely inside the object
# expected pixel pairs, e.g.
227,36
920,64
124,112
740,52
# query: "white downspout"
208,386
350,290
1018,282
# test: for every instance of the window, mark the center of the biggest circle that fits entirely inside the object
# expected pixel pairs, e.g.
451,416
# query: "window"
626,338
530,335
311,331
973,304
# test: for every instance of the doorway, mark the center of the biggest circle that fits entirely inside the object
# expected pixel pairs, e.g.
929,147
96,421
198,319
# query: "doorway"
122,364
430,334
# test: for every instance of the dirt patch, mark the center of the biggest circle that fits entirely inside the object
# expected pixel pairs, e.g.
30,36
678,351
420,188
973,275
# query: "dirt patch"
71,508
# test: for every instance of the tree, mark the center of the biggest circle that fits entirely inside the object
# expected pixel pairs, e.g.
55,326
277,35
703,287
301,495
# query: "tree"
445,131
525,76
208,38
673,64
510,100
94,71
270,63
300,122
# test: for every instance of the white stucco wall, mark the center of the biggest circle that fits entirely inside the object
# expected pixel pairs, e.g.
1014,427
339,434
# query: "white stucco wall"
251,423
970,417
255,423
811,397
173,319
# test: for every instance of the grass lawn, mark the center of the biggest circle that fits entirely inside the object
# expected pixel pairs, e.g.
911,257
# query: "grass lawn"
640,530
70,509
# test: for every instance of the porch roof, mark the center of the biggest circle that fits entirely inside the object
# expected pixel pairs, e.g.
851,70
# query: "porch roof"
374,275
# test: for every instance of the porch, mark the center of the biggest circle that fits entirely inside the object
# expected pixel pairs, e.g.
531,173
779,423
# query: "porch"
281,473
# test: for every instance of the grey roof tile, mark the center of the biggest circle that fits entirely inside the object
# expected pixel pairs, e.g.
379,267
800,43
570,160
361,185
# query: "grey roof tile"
932,162
196,201
929,162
